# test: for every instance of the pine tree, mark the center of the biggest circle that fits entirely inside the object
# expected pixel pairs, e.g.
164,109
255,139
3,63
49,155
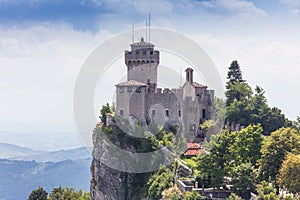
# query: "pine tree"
235,73
38,194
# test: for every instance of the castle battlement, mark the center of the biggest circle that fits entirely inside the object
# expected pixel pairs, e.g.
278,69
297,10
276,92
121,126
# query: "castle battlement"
139,96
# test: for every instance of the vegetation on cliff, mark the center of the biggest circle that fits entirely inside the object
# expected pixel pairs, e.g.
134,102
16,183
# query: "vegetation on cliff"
59,193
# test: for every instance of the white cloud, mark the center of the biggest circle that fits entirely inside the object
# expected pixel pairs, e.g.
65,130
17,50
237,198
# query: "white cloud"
39,66
240,7
291,3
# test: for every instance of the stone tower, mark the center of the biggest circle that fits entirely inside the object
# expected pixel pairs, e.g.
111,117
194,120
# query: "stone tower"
142,62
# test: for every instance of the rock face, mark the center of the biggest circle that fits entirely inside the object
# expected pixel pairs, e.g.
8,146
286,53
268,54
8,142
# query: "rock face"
108,183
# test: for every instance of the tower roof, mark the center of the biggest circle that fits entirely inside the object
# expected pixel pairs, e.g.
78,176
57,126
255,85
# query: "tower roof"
141,45
131,83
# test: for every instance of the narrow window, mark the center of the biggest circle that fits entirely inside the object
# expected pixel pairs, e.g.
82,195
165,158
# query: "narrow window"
153,112
179,113
138,90
203,113
167,113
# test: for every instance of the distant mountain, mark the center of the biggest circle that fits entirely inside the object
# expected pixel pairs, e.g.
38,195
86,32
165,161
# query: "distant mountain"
14,152
19,178
11,150
57,156
23,169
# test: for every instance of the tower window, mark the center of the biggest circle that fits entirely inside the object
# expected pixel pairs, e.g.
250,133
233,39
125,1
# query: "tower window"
121,112
167,113
138,90
153,112
151,52
144,52
203,113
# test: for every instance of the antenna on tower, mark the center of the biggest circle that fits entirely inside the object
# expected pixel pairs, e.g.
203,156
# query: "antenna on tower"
149,27
132,33
146,31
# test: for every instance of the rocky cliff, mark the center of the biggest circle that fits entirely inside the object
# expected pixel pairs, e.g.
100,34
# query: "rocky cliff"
108,182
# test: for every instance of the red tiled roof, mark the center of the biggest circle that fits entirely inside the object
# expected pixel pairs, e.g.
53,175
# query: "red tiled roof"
193,146
192,152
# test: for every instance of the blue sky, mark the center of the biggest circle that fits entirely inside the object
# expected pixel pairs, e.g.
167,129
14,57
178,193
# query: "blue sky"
44,43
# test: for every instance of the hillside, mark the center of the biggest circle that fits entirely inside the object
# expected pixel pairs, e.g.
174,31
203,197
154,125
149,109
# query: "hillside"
25,169
56,156
11,150
24,176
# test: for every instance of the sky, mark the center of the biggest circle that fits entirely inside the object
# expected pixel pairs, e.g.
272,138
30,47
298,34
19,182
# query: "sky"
43,45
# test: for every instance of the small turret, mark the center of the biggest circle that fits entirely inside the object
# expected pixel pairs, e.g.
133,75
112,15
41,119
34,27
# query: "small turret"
189,75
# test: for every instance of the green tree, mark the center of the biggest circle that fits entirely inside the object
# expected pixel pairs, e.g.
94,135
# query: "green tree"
68,193
214,165
289,173
237,91
38,194
159,181
246,145
274,150
175,196
272,120
243,178
56,194
228,150
266,191
105,109
245,108
296,124
193,196
235,73
234,196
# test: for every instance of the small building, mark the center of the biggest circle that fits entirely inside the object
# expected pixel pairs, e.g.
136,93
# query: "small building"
193,149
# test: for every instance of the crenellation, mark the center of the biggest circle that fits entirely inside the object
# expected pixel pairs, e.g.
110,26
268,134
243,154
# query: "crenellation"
140,98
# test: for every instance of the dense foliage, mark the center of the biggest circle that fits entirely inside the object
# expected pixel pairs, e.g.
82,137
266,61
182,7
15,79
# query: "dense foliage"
289,173
59,193
274,150
228,151
38,194
245,107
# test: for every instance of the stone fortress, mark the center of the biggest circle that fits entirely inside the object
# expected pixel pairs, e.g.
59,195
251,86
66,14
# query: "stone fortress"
141,99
